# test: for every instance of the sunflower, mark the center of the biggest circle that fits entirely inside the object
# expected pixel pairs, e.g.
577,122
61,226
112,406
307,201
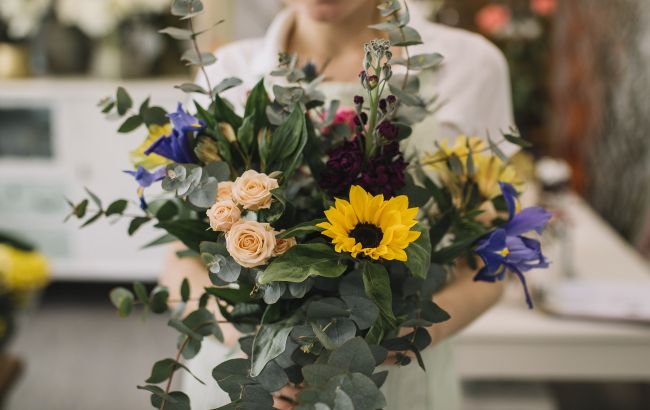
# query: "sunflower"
371,226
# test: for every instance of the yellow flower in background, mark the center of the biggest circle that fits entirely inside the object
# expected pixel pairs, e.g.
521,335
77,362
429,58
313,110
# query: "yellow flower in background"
489,169
151,161
371,226
22,270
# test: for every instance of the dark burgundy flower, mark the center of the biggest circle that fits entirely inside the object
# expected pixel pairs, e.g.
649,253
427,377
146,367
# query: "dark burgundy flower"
343,167
358,100
388,130
384,175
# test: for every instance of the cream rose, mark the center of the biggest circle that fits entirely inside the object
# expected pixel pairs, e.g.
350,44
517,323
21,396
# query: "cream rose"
283,245
250,243
224,190
252,190
223,214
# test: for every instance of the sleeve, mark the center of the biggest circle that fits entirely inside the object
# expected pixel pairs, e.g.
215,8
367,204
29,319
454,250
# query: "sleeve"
479,94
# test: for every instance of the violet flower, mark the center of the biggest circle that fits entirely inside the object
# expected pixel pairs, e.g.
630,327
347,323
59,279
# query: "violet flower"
506,249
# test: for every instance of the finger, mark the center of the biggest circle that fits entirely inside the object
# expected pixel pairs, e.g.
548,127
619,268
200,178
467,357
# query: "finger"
288,391
282,404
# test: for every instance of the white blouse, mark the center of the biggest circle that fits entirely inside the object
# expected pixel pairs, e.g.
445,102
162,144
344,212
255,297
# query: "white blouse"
474,89
472,84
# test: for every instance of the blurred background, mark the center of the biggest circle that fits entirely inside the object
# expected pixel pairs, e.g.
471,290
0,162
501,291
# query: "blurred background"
581,89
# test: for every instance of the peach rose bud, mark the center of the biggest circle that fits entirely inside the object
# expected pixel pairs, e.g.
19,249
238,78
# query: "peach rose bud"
250,243
252,190
223,214
283,245
224,190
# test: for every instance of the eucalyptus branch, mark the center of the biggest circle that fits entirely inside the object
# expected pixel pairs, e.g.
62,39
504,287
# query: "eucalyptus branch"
408,61
178,357
195,44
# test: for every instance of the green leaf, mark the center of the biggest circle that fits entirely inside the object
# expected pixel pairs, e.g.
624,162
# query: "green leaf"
456,165
246,134
166,238
94,198
231,296
189,231
177,33
226,84
433,313
404,37
122,299
319,374
301,229
203,322
158,300
177,401
273,377
232,374
191,57
123,100
497,151
362,311
155,116
117,207
136,223
203,196
418,253
191,88
287,143
131,124
517,140
185,290
420,61
141,293
167,211
377,285
269,343
80,209
186,8
224,113
385,26
355,356
302,261
163,370
93,219
256,104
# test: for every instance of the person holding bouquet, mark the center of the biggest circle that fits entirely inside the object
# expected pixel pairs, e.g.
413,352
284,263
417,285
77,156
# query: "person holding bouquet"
473,94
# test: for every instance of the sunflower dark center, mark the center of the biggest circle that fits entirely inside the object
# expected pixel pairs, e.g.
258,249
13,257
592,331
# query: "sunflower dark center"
368,235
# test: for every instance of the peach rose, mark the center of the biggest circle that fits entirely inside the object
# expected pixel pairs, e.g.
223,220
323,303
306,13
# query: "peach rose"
283,245
250,243
252,190
224,190
223,215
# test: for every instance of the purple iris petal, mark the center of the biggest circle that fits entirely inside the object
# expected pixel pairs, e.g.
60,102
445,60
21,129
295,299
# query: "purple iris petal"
505,249
175,147
146,178
529,219
489,250
510,195
183,121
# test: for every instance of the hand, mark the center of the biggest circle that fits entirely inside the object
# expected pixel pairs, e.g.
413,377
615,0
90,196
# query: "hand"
285,398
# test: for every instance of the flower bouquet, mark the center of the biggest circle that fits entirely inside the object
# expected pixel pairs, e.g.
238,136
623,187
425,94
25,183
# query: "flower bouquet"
23,271
324,245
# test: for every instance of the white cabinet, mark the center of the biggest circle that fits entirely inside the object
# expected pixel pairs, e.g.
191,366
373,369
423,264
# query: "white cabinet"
53,142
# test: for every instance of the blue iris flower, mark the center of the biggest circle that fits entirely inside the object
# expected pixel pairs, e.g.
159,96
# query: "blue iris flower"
176,146
506,249
145,179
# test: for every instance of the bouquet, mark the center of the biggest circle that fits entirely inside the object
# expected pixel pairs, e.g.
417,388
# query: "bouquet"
23,271
323,243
